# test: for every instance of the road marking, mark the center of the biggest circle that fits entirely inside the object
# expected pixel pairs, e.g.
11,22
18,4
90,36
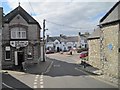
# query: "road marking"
41,86
35,86
35,83
41,79
56,65
41,82
48,69
36,77
8,86
35,80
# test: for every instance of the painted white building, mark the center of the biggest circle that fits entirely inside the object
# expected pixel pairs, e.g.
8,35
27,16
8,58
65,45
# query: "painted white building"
65,43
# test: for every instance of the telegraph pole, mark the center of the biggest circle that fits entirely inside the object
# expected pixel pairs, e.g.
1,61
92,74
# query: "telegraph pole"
44,40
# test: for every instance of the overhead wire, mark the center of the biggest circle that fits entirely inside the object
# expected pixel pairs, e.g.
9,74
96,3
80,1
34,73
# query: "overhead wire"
58,24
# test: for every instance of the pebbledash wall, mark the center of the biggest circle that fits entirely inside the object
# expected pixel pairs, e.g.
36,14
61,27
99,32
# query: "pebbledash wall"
20,50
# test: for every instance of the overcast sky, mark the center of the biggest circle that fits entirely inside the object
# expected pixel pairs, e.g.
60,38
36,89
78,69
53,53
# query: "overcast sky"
64,16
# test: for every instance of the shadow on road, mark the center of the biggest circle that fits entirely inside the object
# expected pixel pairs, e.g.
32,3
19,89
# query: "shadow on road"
10,81
63,68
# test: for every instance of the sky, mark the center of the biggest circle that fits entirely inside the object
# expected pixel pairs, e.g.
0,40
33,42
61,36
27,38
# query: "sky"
68,17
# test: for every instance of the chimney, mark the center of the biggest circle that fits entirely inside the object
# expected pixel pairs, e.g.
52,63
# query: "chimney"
79,33
47,38
61,35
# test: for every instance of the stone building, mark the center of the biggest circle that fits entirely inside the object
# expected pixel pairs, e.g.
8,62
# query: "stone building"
104,51
94,49
21,39
110,36
1,15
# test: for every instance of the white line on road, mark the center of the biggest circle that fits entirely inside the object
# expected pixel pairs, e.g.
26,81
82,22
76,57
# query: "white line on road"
8,86
48,69
41,80
41,83
41,86
35,86
35,83
35,80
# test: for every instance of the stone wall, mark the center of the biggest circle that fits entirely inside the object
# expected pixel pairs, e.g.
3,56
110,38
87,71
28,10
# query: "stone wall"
110,50
94,53
119,57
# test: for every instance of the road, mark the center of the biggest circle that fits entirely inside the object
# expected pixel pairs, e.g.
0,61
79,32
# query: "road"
63,72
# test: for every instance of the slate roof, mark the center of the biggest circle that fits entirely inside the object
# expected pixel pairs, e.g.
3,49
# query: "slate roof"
110,11
23,13
95,34
70,39
52,39
63,39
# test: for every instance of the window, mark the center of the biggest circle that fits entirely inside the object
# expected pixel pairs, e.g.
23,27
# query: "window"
18,33
7,53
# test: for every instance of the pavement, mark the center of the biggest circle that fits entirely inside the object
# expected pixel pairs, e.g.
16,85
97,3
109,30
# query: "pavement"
43,67
35,68
99,74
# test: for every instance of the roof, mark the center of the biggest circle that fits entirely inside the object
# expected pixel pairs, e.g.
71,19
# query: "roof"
70,39
23,13
63,39
108,13
52,39
95,34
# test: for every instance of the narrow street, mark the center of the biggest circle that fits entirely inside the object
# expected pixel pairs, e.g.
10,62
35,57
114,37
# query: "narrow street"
62,72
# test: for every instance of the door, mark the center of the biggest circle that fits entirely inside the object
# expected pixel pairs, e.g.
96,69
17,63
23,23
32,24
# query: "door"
19,58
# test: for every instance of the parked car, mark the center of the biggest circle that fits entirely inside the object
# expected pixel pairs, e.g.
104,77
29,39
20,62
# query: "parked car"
49,51
83,54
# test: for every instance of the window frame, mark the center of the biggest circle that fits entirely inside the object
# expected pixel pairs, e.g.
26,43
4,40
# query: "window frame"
7,59
18,33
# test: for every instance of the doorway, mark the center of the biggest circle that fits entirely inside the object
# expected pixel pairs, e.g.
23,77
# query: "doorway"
58,49
19,58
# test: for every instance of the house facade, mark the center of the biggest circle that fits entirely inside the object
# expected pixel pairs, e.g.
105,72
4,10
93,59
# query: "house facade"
107,45
94,49
110,33
65,43
21,39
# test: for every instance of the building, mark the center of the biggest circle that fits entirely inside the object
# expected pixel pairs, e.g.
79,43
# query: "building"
53,43
65,43
1,15
94,49
21,39
110,40
82,40
104,47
